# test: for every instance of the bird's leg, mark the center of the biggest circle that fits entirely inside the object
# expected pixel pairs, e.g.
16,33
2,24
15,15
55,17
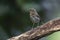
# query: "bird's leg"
33,26
38,24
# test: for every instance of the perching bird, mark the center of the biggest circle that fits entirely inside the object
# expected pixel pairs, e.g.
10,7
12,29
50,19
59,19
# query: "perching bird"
34,16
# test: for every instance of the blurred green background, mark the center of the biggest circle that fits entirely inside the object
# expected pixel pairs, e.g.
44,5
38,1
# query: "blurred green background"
14,16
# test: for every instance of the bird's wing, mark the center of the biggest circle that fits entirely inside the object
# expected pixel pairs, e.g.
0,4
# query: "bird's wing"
37,15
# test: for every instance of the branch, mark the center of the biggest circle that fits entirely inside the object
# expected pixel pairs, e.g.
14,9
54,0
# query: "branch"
40,31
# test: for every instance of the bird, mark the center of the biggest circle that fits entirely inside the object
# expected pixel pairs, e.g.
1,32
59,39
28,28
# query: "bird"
34,16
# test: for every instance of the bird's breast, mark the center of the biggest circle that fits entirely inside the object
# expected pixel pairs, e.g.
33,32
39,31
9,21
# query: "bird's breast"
35,19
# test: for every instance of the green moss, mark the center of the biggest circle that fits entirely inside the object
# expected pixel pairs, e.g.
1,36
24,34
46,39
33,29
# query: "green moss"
54,36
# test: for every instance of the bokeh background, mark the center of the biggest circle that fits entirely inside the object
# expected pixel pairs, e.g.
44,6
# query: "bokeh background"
14,16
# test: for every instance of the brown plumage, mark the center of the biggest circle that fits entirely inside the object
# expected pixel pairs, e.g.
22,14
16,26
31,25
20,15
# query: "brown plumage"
34,16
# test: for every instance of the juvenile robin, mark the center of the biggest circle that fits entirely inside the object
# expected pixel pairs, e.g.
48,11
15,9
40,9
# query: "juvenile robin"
34,16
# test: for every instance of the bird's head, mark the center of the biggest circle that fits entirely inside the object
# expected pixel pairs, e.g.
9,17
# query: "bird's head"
32,11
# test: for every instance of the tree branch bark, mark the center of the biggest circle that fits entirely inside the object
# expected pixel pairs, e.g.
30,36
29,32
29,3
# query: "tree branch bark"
40,31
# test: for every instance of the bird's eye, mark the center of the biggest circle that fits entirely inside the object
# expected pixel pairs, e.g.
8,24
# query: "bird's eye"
33,10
